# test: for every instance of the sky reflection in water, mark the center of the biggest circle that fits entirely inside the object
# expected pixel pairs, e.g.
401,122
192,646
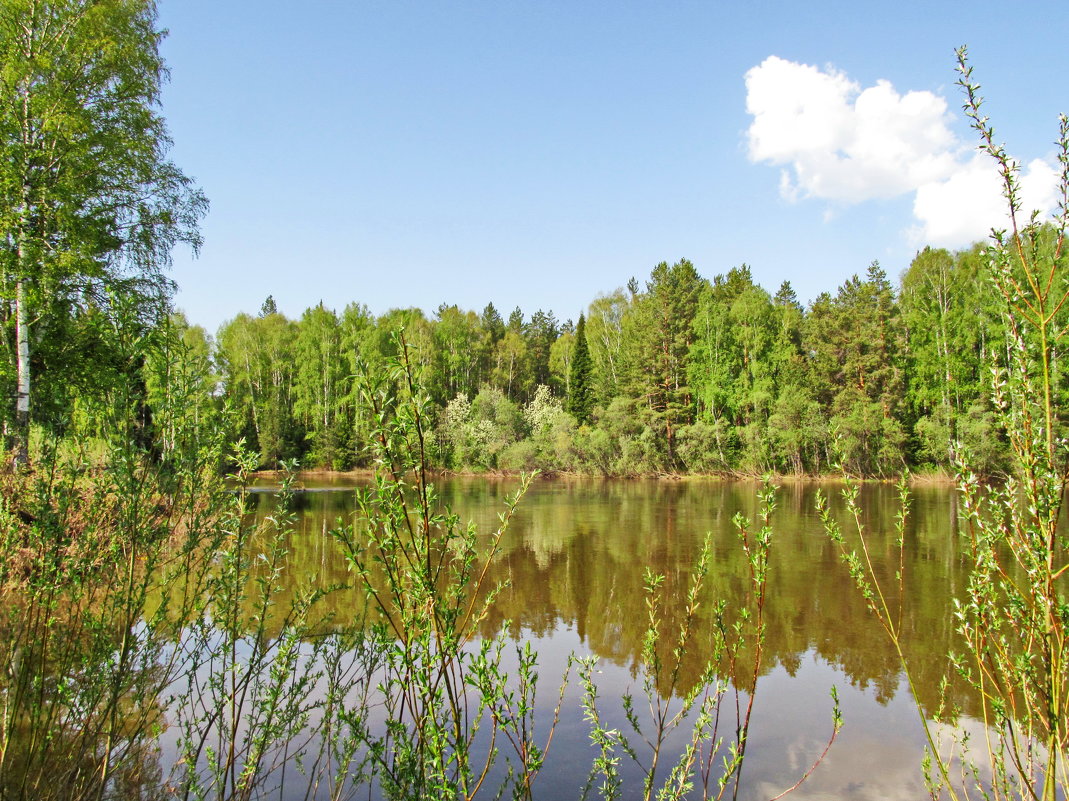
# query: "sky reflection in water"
575,558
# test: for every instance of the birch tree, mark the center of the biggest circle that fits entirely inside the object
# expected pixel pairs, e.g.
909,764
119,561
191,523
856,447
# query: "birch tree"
89,202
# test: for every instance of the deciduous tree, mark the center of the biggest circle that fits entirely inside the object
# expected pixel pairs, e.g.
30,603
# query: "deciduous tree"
88,197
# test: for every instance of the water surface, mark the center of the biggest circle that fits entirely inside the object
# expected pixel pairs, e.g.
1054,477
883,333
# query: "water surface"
575,557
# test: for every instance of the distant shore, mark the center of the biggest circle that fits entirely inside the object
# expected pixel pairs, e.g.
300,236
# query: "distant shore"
933,478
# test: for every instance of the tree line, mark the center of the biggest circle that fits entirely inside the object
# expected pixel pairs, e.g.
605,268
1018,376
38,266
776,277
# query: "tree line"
678,374
674,374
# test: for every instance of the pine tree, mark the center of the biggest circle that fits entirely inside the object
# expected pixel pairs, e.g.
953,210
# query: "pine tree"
540,333
492,324
854,342
658,331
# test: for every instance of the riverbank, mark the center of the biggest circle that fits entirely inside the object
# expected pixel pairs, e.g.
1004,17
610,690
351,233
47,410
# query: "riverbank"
323,475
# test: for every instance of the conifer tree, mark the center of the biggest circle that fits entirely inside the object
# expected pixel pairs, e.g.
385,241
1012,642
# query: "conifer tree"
492,324
855,342
663,332
540,333
580,385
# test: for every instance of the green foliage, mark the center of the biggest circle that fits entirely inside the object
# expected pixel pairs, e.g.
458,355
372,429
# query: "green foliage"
950,315
658,332
431,598
561,354
705,447
257,672
357,340
687,375
461,347
319,392
605,338
540,333
580,381
179,384
142,589
856,372
511,371
733,367
475,433
491,323
797,428
89,203
1012,618
709,762
108,569
258,365
551,436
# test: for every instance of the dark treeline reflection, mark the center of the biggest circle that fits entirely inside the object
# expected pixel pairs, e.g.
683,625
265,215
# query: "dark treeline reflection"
577,551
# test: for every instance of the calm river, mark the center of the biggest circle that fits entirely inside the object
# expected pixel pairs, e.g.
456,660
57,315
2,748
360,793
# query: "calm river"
575,558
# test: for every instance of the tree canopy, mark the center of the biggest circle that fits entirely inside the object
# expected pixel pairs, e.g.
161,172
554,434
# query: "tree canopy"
90,204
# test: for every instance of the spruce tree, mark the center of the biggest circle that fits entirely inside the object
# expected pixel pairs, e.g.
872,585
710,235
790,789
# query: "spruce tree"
580,385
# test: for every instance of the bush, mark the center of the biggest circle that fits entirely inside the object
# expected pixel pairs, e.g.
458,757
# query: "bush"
475,433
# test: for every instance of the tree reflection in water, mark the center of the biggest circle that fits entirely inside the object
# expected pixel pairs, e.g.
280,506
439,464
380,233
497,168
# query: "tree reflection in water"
574,559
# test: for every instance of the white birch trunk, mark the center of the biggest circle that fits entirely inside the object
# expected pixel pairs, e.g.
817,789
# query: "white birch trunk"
22,402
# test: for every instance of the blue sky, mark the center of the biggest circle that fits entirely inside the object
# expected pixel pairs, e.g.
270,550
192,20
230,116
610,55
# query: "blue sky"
537,153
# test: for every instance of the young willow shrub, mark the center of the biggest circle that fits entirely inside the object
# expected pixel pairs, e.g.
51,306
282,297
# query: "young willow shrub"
709,762
87,641
268,696
141,620
448,706
1014,615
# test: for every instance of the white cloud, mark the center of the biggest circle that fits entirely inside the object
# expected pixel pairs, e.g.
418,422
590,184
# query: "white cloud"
965,207
838,142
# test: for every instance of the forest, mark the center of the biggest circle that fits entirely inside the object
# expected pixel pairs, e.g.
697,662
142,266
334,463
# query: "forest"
676,374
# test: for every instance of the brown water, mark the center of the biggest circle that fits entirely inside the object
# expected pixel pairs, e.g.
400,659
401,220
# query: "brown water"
575,558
